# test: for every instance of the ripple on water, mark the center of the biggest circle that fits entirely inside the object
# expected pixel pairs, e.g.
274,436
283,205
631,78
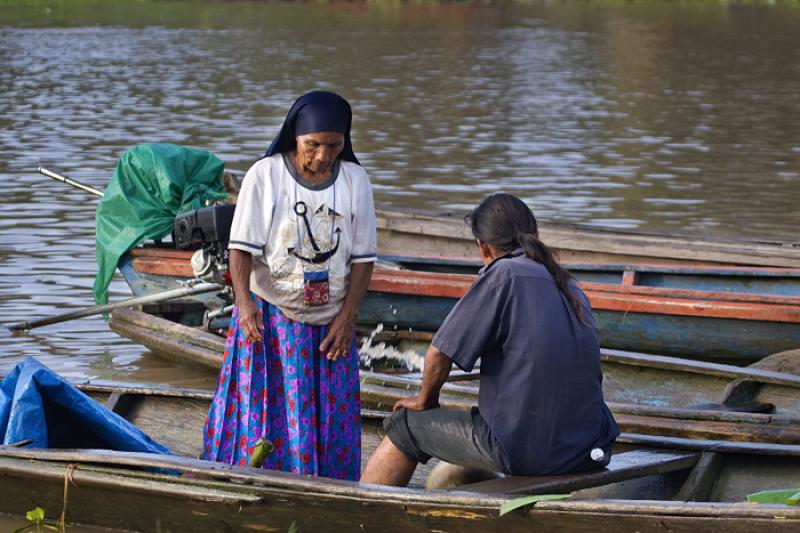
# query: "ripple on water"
583,113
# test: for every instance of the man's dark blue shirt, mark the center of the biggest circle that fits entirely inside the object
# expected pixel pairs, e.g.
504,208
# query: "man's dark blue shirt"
541,392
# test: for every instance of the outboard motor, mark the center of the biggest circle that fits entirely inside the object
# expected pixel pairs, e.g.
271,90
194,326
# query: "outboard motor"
207,230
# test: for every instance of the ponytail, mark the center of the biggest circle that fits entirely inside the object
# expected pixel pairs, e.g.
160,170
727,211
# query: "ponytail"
505,222
537,251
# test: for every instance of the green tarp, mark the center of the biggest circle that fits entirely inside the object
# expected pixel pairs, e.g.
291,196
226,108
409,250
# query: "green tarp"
151,184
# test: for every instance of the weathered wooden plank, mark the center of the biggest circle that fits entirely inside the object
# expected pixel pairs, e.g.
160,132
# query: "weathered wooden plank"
623,466
154,504
698,367
701,480
122,403
179,349
171,329
766,449
435,234
102,497
708,429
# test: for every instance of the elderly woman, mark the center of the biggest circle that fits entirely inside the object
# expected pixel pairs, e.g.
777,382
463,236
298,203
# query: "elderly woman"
302,247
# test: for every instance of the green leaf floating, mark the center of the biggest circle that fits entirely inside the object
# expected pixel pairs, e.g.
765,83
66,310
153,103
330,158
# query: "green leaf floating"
35,515
516,503
786,496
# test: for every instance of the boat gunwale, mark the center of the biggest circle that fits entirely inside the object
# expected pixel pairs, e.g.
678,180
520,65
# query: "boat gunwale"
273,482
431,224
613,297
662,362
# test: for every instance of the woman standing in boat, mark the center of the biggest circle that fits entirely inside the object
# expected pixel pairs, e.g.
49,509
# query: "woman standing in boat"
302,248
541,408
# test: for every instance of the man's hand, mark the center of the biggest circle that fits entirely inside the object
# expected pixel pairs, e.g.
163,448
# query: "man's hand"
437,368
415,404
340,335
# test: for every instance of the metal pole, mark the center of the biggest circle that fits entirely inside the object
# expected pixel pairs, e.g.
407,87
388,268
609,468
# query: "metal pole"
222,311
69,181
104,308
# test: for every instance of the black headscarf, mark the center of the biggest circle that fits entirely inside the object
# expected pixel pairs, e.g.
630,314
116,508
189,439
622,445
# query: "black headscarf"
311,113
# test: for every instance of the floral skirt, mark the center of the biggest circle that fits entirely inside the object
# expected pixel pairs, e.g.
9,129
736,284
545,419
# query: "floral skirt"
288,392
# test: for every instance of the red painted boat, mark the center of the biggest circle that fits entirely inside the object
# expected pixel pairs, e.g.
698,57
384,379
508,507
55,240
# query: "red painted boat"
717,325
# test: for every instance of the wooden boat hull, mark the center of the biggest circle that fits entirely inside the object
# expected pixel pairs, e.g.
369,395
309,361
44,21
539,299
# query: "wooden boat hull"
643,324
702,324
698,277
437,234
121,490
147,502
728,327
651,395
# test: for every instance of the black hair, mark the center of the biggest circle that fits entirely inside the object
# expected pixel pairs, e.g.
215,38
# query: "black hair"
506,223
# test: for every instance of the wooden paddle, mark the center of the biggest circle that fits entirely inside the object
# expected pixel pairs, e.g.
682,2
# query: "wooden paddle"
170,294
64,179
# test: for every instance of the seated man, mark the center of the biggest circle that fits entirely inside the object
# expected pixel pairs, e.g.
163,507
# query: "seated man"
540,409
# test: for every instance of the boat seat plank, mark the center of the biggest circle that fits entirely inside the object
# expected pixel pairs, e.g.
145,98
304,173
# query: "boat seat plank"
122,403
623,466
702,478
737,407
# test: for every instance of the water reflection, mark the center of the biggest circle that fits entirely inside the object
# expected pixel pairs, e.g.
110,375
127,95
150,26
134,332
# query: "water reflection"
662,117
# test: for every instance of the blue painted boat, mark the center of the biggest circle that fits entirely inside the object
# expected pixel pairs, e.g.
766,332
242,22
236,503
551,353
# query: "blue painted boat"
750,280
716,325
730,327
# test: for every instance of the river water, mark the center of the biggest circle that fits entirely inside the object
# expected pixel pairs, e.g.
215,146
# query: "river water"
676,117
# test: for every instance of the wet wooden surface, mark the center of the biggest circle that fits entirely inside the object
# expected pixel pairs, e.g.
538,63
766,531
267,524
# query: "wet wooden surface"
446,234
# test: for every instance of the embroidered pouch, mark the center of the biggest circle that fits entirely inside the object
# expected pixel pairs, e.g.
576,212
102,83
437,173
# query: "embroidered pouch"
315,288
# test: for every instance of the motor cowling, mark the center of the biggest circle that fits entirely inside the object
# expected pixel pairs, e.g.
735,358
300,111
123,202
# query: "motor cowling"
210,266
207,231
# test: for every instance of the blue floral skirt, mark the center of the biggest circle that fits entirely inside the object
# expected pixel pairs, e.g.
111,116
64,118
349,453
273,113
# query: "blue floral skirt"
285,390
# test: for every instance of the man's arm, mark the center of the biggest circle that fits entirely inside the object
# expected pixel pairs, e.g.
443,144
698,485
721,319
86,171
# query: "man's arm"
437,368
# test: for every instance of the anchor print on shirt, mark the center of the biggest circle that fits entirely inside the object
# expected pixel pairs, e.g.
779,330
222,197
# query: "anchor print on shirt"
315,245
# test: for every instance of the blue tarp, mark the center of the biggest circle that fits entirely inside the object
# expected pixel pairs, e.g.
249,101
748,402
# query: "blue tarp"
38,405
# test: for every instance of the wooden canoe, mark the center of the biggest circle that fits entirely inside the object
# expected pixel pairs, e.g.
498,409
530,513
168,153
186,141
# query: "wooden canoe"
714,325
648,394
644,488
441,234
741,279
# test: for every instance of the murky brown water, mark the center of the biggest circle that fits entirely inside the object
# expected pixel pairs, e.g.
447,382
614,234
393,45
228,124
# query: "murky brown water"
660,116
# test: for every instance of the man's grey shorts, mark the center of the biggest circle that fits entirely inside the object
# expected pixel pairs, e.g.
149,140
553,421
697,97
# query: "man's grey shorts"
456,436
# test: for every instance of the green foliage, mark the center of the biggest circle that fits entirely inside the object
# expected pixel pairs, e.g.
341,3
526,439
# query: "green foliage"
516,503
785,496
293,527
36,516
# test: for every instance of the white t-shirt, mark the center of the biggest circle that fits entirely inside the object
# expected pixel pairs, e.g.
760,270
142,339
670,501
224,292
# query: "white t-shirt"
338,229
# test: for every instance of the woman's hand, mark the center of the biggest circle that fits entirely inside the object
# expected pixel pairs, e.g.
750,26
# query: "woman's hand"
340,331
415,403
340,335
251,321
